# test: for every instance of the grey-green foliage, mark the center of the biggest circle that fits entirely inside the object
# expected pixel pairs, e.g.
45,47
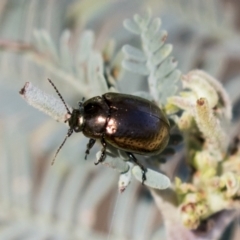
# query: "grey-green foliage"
154,59
82,69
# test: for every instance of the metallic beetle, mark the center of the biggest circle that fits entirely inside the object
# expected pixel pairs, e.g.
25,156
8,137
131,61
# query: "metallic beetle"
127,122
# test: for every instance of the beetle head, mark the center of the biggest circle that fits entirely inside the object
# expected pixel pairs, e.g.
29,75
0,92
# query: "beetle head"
75,119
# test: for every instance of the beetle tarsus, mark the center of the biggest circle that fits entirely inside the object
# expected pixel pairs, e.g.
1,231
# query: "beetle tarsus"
144,178
144,170
89,146
103,154
101,159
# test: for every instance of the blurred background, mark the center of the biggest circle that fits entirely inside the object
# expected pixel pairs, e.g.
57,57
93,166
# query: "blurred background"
74,199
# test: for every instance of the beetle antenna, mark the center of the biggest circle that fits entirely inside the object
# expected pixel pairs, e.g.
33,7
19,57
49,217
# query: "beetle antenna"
69,133
58,93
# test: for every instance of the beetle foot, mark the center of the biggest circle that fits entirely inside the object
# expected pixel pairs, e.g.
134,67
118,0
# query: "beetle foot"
89,146
144,170
96,163
103,154
101,159
86,153
144,177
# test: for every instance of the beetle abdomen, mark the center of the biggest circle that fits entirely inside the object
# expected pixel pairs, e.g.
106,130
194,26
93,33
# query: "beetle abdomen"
135,124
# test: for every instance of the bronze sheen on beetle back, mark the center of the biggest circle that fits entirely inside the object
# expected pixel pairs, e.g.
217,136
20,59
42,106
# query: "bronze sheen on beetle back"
130,123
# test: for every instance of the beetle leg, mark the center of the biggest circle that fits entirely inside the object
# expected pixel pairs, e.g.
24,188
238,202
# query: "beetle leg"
89,146
103,155
144,170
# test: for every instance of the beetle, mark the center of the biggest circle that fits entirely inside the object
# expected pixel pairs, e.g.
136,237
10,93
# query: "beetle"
126,122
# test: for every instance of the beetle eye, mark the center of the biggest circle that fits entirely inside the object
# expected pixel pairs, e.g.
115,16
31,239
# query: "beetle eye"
90,108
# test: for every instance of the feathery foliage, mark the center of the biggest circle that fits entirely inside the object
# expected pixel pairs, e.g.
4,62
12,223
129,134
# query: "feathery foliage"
154,59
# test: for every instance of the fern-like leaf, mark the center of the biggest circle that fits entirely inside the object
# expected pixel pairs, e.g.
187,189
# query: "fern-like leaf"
154,59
